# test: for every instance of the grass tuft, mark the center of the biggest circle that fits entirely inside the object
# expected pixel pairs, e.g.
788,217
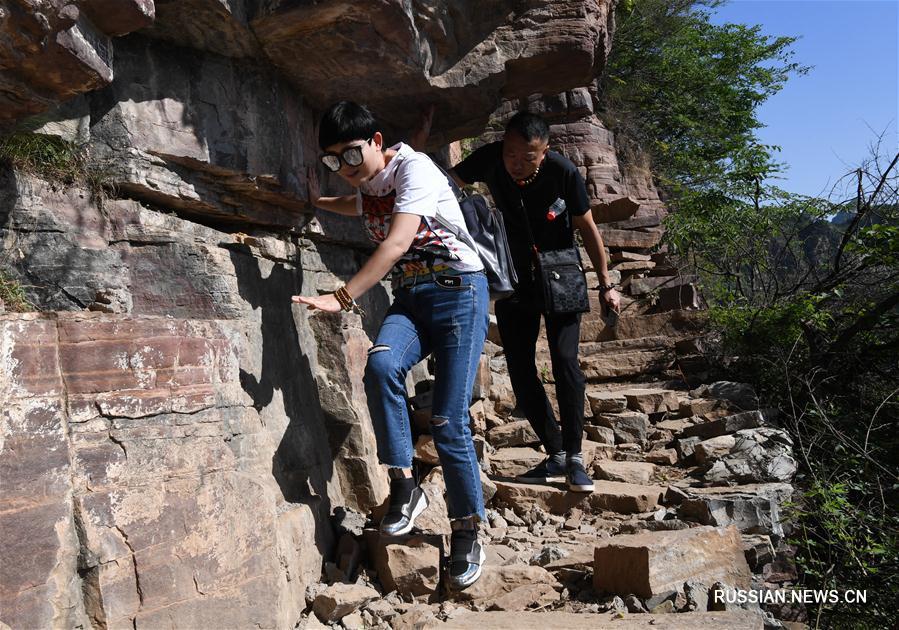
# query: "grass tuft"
12,295
56,160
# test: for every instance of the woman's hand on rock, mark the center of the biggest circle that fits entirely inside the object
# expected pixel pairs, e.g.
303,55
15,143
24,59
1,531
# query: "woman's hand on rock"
327,303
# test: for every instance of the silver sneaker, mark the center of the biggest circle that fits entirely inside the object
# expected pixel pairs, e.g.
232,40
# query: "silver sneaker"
466,561
400,518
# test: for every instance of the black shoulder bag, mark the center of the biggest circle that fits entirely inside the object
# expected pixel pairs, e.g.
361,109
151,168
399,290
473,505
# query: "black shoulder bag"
559,275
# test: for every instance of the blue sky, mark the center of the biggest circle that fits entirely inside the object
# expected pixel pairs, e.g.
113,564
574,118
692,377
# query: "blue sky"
821,120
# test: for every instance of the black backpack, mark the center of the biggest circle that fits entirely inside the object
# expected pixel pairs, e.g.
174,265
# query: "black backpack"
487,236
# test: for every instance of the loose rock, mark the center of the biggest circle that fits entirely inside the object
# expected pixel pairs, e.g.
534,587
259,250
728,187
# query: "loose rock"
627,472
519,433
713,449
339,600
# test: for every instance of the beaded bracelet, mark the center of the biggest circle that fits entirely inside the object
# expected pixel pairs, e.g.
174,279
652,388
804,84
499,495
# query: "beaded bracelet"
346,301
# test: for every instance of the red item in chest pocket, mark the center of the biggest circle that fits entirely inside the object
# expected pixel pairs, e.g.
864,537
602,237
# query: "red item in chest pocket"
555,210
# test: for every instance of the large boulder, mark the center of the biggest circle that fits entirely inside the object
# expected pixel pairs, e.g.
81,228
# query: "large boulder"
342,347
759,455
222,140
753,508
654,563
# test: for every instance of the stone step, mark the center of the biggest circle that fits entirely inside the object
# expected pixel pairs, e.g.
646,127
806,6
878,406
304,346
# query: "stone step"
649,342
620,209
640,286
614,496
505,620
647,221
630,239
407,564
618,358
686,296
725,425
620,386
653,564
509,462
624,255
625,472
675,324
598,367
634,266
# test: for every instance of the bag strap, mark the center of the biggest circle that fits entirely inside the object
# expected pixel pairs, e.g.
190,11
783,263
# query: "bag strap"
458,192
527,225
461,235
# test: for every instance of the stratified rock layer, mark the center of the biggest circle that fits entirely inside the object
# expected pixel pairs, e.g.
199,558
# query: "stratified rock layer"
135,472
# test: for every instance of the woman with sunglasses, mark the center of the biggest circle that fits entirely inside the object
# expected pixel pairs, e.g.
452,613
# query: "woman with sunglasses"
440,306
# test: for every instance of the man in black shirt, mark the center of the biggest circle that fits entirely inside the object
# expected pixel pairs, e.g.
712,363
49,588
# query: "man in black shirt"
524,176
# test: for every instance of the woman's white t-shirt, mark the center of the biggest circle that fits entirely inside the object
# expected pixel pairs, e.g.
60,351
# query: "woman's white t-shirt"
412,183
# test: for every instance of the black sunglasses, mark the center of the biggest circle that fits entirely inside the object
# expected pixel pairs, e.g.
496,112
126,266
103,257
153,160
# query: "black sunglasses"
351,156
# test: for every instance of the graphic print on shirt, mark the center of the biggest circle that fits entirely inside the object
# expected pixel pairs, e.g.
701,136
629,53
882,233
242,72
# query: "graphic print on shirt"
376,215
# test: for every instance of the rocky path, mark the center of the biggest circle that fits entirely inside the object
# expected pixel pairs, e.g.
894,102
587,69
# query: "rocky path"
690,488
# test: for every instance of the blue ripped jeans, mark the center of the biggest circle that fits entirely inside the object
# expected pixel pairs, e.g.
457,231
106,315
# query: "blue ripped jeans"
451,322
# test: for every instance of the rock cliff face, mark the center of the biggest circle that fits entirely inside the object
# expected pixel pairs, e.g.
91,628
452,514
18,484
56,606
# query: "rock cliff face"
138,479
463,55
181,447
196,465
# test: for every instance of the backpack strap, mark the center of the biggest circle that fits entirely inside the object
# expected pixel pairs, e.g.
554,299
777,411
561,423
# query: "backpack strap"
461,235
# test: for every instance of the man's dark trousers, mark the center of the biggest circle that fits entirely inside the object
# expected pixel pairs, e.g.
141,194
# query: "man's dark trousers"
518,321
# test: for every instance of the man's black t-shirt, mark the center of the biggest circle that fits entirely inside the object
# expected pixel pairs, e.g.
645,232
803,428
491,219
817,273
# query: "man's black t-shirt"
558,179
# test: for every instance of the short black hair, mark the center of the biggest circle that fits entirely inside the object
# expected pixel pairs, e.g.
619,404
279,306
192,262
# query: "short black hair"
345,121
529,126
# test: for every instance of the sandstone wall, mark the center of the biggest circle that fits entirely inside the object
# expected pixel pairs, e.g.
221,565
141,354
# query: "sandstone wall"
201,442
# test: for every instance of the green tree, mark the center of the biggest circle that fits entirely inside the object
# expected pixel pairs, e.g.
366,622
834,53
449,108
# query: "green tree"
687,91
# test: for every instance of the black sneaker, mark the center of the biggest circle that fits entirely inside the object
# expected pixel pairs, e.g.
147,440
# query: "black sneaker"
547,471
404,508
578,479
466,558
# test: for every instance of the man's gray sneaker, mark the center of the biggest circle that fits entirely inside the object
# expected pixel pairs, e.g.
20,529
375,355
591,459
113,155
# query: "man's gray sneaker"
578,479
550,470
